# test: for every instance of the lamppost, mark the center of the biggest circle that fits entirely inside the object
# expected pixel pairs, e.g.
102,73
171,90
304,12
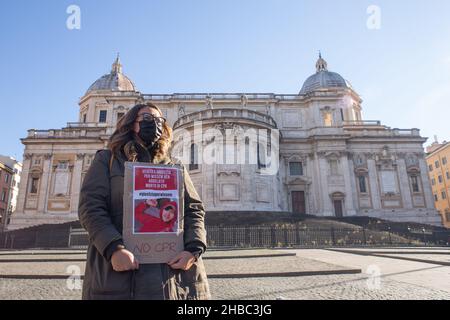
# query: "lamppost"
424,239
389,232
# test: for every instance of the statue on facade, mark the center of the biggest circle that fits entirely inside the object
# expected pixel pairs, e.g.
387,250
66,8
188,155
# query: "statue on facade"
209,104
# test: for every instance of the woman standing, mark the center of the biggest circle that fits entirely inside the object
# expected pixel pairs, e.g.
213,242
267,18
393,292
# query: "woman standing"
112,272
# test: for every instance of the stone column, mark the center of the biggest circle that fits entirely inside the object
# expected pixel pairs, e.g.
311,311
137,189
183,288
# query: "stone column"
275,200
21,199
429,200
76,183
350,188
91,113
45,184
317,184
327,209
405,190
308,171
374,187
283,198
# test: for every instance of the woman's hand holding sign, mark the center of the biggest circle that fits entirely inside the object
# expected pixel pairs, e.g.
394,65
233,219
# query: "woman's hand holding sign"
124,260
184,260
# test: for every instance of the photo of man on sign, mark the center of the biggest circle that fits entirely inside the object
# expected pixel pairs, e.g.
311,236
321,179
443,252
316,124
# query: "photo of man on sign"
155,215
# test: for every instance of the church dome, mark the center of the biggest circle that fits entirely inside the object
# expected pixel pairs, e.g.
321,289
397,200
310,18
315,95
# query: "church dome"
323,79
113,81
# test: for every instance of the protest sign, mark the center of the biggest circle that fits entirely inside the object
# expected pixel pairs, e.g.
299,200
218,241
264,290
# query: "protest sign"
153,211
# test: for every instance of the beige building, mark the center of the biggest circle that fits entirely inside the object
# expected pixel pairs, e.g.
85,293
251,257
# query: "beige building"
306,153
10,171
438,158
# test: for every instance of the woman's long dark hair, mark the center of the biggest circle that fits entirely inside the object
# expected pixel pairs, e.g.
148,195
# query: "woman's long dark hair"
119,140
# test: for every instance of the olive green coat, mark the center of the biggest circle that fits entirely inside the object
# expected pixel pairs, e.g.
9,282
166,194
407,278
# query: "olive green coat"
100,212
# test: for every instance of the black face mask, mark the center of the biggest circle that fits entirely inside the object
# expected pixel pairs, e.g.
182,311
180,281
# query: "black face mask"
149,131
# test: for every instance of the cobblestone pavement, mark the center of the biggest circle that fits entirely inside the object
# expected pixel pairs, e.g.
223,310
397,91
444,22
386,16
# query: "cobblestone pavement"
414,274
299,288
228,264
382,278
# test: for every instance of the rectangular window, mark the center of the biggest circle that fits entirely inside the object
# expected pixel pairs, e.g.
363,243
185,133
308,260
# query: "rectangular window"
34,185
193,165
327,119
444,160
430,167
436,197
37,161
444,195
102,116
6,177
334,167
448,175
63,165
120,115
436,164
362,184
440,178
388,179
414,183
261,152
342,114
3,196
433,181
84,118
447,216
295,168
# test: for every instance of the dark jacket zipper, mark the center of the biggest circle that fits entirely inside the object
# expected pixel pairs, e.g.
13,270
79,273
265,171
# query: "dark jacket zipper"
133,275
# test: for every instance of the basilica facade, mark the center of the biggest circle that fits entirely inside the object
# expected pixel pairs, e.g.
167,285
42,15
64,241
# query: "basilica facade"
306,153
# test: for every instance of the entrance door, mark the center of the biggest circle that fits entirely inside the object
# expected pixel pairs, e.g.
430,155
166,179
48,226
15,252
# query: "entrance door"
298,202
338,208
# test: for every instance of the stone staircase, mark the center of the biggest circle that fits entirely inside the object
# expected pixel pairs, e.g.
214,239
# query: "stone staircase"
234,228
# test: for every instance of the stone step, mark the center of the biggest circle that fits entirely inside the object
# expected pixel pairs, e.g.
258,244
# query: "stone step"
218,264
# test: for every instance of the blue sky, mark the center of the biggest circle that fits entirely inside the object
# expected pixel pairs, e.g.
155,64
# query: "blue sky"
402,71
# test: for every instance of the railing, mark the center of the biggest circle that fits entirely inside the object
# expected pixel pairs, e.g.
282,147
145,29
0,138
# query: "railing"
371,127
290,236
34,239
288,97
405,132
214,96
361,123
251,237
221,96
70,132
294,235
225,113
77,238
86,124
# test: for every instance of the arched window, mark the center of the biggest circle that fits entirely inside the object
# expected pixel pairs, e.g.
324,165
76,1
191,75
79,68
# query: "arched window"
193,163
235,149
262,155
334,167
34,185
362,184
247,150
295,168
263,149
327,119
415,185
327,116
